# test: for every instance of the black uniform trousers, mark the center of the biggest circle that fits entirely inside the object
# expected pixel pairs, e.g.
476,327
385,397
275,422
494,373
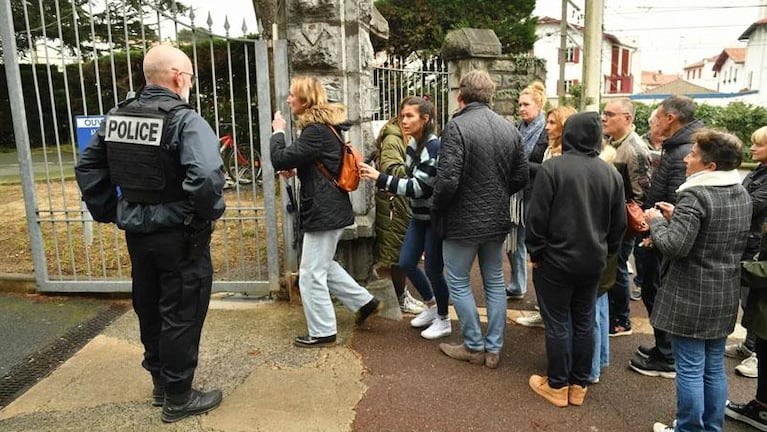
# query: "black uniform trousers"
171,293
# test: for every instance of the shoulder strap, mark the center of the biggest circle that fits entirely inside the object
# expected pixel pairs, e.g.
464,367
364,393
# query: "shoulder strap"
321,166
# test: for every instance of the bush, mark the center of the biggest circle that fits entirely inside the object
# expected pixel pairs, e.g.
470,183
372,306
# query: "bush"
738,118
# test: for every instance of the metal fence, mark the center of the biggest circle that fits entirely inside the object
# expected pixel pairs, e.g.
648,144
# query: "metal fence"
70,58
397,77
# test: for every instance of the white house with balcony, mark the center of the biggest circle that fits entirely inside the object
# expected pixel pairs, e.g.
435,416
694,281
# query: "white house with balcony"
620,67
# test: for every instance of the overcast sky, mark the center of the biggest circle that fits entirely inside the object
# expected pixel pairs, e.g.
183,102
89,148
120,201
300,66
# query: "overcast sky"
668,33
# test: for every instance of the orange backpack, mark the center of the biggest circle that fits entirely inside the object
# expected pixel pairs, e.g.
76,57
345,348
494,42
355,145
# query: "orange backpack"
349,176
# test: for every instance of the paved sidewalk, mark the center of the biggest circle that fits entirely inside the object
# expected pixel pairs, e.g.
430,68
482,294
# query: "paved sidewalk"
382,377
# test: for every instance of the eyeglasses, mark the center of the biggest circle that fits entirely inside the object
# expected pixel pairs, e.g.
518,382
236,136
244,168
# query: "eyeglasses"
191,75
610,114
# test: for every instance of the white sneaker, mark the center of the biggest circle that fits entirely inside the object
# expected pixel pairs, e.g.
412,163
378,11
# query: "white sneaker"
748,367
410,305
425,318
662,427
440,327
532,320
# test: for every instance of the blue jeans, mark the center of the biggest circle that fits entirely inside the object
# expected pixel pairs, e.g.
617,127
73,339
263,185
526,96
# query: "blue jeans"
567,307
419,240
620,293
518,261
459,256
601,357
701,383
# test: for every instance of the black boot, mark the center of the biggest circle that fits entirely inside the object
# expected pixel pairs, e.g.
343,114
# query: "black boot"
190,403
158,391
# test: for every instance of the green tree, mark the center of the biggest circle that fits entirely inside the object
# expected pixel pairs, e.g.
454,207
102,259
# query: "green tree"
122,16
421,25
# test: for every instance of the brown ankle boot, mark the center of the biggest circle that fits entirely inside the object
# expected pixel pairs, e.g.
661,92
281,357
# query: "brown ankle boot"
576,394
540,385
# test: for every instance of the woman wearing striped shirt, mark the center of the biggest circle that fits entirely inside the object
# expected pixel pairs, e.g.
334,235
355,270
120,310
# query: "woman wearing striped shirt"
417,119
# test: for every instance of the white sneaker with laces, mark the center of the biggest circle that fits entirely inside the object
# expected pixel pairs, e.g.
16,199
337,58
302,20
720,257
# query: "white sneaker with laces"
440,327
425,318
410,305
532,320
749,367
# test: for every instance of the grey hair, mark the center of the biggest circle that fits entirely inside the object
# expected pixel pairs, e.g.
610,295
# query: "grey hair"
681,106
477,86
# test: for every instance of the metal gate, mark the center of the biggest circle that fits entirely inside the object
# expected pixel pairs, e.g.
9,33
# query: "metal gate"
397,77
75,59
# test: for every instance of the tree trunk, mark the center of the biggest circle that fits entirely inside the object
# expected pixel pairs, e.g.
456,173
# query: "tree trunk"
266,13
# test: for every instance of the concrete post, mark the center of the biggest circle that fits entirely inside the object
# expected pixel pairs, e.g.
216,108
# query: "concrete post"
592,56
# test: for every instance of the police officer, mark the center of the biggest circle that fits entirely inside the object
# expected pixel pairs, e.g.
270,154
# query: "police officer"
154,169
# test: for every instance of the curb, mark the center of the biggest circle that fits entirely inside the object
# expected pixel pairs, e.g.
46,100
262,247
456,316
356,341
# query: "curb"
17,283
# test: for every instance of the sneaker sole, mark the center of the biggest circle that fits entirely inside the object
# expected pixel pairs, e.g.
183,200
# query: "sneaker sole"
653,373
746,375
316,345
531,325
622,333
748,420
436,336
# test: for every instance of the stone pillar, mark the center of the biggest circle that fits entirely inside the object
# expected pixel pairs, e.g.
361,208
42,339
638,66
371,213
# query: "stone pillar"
330,39
468,49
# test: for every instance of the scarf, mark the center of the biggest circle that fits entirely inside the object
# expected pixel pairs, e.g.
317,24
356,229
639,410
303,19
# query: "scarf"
531,132
711,178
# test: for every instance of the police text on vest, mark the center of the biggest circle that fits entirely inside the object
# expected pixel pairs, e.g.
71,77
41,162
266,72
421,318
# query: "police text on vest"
134,130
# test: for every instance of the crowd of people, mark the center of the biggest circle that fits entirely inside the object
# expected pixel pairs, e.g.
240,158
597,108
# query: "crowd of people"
549,192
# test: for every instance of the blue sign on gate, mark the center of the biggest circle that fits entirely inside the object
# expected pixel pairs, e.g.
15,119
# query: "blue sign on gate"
86,127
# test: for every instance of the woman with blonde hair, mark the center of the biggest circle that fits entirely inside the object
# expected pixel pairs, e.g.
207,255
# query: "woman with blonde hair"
532,127
325,209
555,122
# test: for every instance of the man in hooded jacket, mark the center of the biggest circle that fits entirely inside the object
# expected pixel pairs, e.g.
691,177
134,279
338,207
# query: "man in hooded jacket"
576,218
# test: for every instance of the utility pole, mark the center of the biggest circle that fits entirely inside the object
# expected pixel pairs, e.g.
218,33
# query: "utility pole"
562,54
592,56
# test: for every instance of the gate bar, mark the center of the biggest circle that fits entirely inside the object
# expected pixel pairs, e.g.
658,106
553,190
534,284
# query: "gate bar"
13,74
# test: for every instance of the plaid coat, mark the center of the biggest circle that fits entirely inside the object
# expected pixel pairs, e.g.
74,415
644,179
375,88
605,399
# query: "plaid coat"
700,276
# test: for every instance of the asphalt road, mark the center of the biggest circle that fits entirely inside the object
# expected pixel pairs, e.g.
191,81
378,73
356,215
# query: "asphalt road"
29,322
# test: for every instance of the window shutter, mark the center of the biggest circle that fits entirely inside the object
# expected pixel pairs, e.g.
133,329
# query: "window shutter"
576,55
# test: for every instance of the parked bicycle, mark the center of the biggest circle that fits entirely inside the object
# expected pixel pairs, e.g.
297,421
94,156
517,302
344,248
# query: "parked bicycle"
237,162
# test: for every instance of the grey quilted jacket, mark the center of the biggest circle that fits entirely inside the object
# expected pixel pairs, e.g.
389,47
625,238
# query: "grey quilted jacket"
481,163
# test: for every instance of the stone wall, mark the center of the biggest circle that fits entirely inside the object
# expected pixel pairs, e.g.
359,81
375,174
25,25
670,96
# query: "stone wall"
468,49
330,39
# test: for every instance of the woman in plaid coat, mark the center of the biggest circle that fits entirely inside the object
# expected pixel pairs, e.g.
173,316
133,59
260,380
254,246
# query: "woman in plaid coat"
701,239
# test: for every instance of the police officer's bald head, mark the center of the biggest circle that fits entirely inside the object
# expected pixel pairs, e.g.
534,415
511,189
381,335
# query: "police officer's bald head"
167,66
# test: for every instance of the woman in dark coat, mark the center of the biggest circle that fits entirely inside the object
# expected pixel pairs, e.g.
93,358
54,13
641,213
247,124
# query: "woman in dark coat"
325,209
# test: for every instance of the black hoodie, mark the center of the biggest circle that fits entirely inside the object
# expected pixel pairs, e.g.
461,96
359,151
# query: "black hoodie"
577,213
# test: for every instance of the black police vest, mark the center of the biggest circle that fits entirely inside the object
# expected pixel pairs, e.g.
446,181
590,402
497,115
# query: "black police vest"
141,162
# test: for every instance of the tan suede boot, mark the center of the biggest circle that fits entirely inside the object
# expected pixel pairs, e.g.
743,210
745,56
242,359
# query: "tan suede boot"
540,385
576,394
